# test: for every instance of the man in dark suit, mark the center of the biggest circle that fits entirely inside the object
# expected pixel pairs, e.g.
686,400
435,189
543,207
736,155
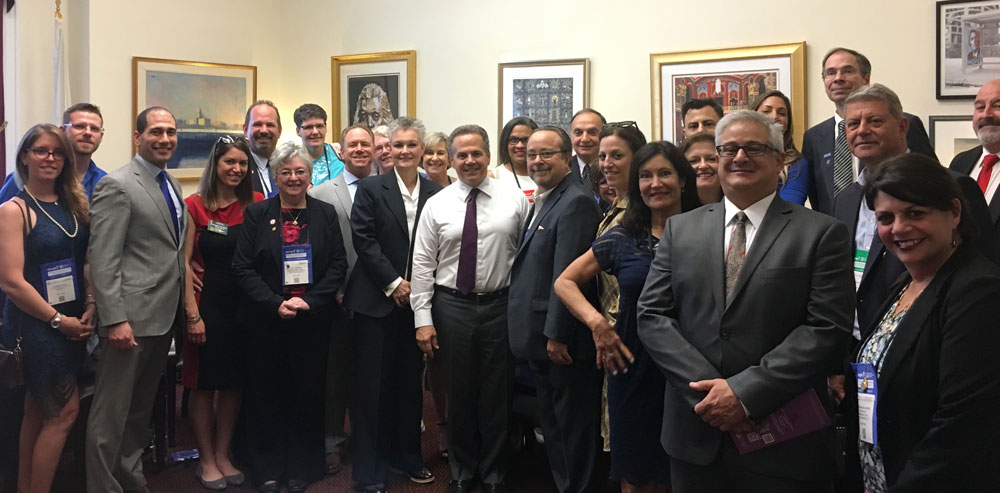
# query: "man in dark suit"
542,331
585,130
876,131
358,146
262,127
844,70
747,303
386,399
979,162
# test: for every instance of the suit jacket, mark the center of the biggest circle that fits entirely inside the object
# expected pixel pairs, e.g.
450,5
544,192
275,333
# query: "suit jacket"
817,147
137,264
382,241
336,193
963,163
788,321
937,388
882,269
257,262
562,230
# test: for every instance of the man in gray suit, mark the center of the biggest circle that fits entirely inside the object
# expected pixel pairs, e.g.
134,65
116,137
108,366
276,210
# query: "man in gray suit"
357,145
137,263
740,336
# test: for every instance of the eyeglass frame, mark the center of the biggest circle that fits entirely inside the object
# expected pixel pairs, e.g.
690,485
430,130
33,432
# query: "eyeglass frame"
86,126
746,151
37,152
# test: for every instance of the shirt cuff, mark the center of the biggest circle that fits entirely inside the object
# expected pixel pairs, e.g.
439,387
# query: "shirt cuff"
422,317
392,287
745,410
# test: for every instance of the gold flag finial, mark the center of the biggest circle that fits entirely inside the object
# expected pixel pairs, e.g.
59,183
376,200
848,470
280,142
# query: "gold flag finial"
58,9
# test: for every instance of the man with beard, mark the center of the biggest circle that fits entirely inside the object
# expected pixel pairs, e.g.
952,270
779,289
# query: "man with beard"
978,163
310,122
383,151
84,126
357,144
373,108
262,127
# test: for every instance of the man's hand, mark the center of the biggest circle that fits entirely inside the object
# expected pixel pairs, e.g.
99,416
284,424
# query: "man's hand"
401,295
836,387
558,352
720,408
427,339
75,329
120,336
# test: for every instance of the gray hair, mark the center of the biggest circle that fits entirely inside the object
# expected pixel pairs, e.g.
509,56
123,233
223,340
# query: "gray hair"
381,130
471,129
877,92
404,123
776,137
284,155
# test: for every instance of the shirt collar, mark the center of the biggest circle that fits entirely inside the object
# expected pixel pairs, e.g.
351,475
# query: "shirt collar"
402,186
485,187
260,161
349,177
150,168
755,213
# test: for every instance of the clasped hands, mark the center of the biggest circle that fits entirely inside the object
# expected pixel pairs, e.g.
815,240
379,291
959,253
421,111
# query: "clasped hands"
291,307
721,408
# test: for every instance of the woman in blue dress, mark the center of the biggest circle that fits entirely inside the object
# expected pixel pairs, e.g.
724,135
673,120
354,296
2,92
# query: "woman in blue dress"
661,184
795,183
49,308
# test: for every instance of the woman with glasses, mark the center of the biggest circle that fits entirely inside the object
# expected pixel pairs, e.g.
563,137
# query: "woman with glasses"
290,262
699,149
513,147
49,310
436,161
795,181
214,350
661,184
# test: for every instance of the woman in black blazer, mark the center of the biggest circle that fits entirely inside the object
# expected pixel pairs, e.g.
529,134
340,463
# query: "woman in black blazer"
290,261
931,362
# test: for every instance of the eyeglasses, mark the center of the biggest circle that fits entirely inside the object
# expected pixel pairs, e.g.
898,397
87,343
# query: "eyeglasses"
82,127
42,153
517,140
545,155
623,124
287,173
844,71
314,126
751,149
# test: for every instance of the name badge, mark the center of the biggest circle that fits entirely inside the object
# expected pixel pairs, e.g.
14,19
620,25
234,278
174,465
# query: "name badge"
59,281
860,259
218,228
298,264
867,402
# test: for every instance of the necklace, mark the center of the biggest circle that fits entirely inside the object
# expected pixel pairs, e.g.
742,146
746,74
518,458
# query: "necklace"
76,224
295,220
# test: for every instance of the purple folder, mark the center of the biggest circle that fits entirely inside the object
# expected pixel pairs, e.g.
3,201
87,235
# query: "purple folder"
801,415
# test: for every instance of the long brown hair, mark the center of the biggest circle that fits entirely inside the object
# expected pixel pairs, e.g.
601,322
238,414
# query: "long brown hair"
208,187
791,153
67,186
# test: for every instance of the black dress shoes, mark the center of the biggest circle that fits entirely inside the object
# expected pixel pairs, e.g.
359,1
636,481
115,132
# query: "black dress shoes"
269,487
297,485
495,488
421,476
460,486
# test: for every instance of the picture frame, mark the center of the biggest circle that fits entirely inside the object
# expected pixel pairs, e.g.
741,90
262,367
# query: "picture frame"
207,99
373,88
968,47
738,75
950,135
549,92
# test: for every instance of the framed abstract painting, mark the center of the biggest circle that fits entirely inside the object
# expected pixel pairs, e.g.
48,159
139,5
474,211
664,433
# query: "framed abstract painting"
549,92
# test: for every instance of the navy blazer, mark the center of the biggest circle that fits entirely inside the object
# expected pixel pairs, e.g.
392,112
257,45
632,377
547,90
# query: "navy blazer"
817,147
560,232
938,390
257,261
382,242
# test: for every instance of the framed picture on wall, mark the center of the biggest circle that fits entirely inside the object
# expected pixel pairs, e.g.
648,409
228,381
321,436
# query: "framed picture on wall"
733,77
208,100
373,88
549,92
951,135
968,47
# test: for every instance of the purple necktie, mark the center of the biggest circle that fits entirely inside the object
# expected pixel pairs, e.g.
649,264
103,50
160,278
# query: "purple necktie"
466,279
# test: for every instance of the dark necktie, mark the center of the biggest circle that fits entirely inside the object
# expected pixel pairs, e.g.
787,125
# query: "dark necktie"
843,169
986,172
162,178
737,250
465,281
585,173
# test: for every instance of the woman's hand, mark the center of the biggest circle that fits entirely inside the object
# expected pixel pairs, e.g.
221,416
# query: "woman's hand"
196,332
74,329
612,354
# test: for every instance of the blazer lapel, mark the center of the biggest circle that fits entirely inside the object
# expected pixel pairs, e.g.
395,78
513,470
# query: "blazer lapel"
713,258
775,220
343,194
150,185
275,237
393,199
546,207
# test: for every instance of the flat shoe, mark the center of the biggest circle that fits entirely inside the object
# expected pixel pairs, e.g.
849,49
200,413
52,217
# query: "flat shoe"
216,485
236,479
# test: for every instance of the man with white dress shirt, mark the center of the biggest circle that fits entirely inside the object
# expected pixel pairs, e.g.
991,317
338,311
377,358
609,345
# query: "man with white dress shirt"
463,250
979,162
262,127
357,144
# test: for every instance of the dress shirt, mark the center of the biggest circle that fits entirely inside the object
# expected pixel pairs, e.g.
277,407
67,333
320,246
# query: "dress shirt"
864,234
263,174
540,198
410,202
352,183
580,166
994,182
855,164
155,173
755,216
501,212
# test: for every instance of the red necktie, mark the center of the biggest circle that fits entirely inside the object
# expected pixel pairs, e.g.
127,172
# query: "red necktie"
987,171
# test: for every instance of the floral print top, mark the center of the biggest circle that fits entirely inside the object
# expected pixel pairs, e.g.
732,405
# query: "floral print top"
294,231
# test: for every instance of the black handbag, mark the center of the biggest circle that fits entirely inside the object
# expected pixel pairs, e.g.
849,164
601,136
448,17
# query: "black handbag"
11,366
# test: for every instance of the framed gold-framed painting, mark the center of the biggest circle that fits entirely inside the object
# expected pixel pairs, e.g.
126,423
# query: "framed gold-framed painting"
951,135
549,91
373,88
207,99
733,77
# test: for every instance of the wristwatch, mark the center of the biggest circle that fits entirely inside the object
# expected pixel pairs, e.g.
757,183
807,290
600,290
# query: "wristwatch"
56,321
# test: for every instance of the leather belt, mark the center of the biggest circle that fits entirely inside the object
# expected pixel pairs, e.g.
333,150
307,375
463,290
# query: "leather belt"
477,297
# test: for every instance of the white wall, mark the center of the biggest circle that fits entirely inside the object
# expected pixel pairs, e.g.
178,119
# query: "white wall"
458,46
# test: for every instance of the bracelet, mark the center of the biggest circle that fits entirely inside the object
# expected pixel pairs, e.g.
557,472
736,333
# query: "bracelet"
194,320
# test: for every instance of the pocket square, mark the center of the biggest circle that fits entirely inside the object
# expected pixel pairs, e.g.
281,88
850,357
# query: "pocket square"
540,228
